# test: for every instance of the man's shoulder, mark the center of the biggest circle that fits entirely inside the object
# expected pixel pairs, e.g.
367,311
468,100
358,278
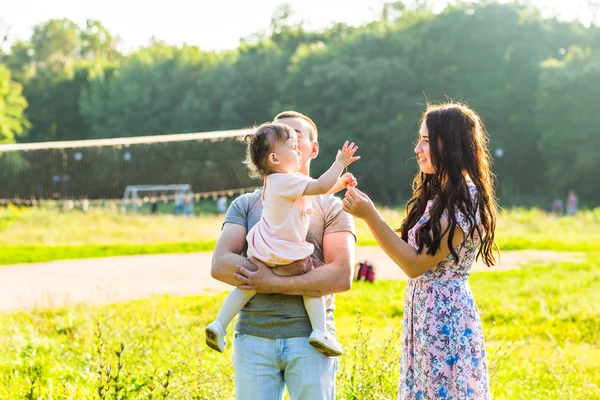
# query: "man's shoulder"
247,200
243,207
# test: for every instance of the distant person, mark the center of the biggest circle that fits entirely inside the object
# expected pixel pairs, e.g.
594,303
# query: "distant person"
450,222
558,207
85,205
188,205
572,200
279,238
222,204
179,199
154,205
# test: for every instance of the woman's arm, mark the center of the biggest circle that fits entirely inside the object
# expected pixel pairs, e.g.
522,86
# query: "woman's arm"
406,257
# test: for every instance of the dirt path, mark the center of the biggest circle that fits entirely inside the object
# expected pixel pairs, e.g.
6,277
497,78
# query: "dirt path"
105,280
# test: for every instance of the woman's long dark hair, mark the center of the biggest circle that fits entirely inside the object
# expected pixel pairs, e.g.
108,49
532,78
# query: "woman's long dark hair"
458,145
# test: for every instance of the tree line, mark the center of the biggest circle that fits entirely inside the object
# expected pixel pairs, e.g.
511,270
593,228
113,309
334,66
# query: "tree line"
535,81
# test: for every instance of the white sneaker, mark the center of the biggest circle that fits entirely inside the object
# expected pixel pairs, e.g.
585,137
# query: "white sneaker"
327,346
215,336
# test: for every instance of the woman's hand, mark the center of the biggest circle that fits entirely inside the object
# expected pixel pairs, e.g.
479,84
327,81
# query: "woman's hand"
358,204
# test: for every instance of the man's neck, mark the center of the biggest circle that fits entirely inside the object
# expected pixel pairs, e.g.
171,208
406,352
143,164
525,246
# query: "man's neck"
305,170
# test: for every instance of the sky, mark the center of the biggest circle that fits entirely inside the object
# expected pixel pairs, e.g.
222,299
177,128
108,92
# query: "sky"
211,25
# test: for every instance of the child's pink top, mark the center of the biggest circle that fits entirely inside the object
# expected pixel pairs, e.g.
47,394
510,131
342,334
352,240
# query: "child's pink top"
279,237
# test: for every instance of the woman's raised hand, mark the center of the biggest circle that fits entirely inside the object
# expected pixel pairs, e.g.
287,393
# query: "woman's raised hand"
358,204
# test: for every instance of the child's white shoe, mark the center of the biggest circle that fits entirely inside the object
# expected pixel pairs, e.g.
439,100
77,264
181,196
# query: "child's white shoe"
215,336
327,346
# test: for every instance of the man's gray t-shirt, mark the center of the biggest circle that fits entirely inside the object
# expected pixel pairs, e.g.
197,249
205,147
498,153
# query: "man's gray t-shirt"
279,316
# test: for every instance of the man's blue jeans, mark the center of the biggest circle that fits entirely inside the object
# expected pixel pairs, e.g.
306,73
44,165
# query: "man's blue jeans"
263,367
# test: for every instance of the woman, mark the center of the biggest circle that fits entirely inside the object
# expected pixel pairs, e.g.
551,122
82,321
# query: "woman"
450,221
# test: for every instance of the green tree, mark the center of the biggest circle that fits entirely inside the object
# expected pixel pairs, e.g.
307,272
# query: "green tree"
368,84
53,67
56,40
142,96
97,41
489,55
19,61
13,122
361,89
568,119
54,94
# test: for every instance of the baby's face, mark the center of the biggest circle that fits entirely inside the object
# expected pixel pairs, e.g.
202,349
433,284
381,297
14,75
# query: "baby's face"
289,156
302,128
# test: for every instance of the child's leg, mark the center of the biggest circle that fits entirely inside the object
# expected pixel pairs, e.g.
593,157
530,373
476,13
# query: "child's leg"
315,307
234,303
215,331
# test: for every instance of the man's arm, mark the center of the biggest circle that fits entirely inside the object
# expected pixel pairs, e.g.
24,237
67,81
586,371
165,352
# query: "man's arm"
334,276
226,254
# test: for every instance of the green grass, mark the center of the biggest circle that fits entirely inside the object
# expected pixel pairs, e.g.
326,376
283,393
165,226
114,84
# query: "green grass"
539,242
39,235
541,327
521,229
33,254
46,234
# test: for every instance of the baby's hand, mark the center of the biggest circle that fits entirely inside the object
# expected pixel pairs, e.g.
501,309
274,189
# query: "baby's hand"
347,180
346,155
343,182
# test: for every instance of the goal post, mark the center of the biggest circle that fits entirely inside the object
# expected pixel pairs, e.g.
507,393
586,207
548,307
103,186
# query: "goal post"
131,191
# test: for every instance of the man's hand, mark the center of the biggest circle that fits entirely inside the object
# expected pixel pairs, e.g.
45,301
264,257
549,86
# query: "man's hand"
298,267
263,280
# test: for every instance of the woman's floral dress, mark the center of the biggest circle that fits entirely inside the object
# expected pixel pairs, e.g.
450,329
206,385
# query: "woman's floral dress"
443,353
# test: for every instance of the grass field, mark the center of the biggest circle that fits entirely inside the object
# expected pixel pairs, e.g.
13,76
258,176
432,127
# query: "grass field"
45,234
541,327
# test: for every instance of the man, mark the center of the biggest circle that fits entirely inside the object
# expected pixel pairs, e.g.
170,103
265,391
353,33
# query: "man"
271,349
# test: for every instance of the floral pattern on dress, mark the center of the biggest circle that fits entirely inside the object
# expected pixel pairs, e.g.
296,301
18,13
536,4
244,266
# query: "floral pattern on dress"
443,351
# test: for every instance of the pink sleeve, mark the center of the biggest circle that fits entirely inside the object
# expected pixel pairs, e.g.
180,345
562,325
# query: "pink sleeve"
290,186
